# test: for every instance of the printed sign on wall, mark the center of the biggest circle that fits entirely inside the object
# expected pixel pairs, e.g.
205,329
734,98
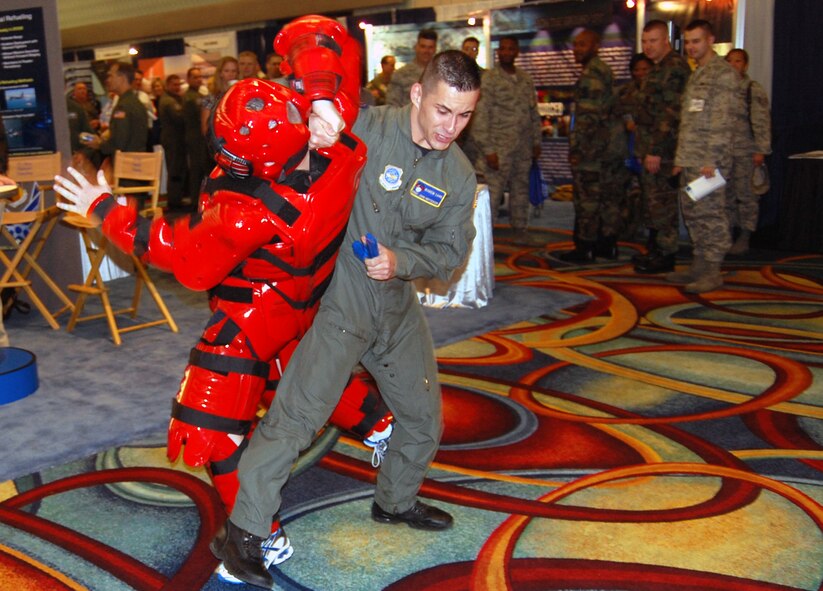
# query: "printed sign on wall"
25,98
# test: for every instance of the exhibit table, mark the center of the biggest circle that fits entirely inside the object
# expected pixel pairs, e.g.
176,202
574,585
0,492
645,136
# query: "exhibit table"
801,207
472,284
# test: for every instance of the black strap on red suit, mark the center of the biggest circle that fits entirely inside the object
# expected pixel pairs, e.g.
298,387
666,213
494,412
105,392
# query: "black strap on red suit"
199,418
225,364
259,189
229,465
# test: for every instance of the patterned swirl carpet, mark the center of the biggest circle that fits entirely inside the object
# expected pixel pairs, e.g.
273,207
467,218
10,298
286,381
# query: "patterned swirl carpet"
637,439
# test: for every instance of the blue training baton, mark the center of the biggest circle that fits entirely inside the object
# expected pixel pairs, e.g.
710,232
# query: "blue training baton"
366,251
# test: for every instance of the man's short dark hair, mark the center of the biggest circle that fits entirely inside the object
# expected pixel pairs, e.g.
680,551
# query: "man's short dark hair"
190,70
701,24
472,39
429,34
126,69
511,38
171,78
385,59
656,24
453,67
593,34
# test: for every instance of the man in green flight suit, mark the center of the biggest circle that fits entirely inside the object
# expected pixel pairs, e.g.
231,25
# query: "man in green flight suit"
416,197
128,130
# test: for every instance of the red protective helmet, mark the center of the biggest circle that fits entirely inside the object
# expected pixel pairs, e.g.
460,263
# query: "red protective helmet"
259,128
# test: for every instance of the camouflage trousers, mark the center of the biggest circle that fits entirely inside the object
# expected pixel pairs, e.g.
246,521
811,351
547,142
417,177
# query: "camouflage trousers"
707,220
631,206
660,209
597,202
742,204
514,174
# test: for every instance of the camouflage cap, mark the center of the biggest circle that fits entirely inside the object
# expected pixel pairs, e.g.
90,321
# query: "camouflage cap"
760,180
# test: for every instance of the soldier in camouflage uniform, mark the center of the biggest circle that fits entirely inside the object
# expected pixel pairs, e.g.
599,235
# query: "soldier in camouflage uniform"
705,143
507,130
402,80
627,100
596,199
754,133
379,85
658,118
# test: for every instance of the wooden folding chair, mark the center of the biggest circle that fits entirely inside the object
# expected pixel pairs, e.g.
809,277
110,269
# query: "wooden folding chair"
29,169
143,167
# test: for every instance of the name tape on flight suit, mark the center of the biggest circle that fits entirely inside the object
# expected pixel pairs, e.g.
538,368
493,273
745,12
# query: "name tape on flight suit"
428,193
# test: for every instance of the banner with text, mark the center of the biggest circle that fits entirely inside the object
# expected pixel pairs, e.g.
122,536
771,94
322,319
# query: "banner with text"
25,98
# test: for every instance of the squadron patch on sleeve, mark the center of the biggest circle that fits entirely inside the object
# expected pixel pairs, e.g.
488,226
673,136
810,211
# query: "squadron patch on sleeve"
392,177
428,193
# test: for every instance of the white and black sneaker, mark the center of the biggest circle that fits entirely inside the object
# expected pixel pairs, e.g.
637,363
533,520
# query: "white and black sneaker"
276,549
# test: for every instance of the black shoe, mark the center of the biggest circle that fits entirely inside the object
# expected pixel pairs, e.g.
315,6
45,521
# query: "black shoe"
242,555
659,263
606,248
651,248
640,258
420,516
583,253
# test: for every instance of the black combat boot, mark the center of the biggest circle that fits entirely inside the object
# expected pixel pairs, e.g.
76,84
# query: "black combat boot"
583,253
658,263
606,248
242,555
651,247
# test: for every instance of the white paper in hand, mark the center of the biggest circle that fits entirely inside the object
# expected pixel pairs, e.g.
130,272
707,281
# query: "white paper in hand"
701,186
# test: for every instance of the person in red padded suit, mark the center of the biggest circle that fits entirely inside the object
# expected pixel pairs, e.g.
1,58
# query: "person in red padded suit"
271,218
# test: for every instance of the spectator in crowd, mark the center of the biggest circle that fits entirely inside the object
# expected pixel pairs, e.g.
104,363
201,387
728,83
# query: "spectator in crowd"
466,141
379,85
157,90
128,130
90,104
143,97
507,130
754,141
596,200
402,80
83,158
471,47
273,73
196,152
658,119
248,65
172,138
625,110
108,103
225,75
711,107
